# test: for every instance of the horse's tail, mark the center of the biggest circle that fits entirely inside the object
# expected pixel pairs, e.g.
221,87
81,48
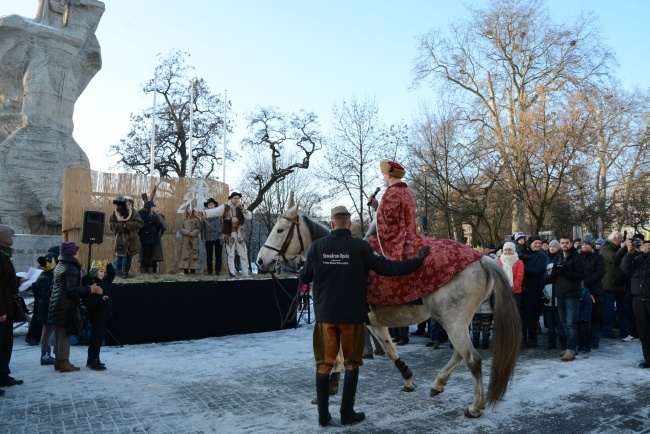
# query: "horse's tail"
507,332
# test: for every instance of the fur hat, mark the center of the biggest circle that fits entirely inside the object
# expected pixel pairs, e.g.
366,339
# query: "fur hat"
554,243
340,212
211,200
233,194
392,168
6,236
69,248
509,245
129,199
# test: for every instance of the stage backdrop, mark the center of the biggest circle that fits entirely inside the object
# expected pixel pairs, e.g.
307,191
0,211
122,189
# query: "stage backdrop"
175,311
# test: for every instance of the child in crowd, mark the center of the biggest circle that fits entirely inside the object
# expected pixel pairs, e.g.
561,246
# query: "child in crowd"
99,308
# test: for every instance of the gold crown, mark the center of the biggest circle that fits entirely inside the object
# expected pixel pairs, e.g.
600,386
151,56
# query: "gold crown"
99,265
49,265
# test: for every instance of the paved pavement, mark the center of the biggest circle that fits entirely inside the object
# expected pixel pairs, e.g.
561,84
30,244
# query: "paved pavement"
262,383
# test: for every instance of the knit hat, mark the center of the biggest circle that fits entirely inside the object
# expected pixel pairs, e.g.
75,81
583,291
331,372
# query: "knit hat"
599,242
588,238
69,248
392,168
509,245
518,235
534,238
6,236
554,243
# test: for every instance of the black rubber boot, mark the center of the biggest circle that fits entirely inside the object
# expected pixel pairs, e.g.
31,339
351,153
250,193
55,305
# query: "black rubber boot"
348,415
322,398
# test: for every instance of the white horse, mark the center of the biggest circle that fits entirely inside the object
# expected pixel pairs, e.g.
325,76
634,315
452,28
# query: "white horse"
453,306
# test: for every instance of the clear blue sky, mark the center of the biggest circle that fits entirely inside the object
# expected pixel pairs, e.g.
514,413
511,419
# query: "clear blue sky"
293,54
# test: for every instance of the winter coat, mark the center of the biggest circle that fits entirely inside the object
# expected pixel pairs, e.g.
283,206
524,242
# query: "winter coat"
66,286
190,229
637,265
149,233
614,279
339,265
126,233
594,272
8,286
211,233
517,275
534,271
567,274
43,287
100,310
158,254
585,306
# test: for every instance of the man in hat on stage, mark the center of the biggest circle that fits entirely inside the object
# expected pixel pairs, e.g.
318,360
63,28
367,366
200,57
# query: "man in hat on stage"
233,215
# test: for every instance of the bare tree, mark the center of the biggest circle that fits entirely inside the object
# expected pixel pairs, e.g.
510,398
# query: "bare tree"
504,61
289,139
172,153
358,142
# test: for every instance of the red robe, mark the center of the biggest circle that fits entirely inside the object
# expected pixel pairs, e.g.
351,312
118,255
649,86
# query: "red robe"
396,239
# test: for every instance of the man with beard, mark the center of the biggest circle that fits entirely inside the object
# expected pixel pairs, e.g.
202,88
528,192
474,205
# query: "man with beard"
567,274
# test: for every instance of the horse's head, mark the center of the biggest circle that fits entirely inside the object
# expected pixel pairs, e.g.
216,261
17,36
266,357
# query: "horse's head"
283,242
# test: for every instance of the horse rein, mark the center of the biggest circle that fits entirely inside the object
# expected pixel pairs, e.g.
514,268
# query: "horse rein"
285,245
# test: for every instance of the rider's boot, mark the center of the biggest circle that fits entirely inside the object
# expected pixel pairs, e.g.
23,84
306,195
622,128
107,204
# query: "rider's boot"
323,396
348,415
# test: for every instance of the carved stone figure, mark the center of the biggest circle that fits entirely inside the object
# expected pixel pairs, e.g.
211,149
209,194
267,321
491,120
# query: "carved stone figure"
45,64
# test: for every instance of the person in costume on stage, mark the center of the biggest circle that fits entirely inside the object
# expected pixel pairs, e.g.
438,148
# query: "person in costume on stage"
233,217
397,239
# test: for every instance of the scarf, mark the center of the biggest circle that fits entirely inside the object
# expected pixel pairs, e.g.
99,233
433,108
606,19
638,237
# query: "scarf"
508,262
7,251
122,219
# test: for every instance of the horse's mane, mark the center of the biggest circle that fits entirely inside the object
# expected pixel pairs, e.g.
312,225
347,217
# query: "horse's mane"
316,229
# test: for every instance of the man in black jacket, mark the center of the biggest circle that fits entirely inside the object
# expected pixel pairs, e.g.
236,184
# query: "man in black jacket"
567,274
339,265
636,264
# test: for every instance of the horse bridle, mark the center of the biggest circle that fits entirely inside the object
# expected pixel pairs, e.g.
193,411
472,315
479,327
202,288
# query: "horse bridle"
285,245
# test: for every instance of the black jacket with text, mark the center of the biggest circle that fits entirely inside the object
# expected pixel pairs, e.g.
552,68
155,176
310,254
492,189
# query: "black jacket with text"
338,265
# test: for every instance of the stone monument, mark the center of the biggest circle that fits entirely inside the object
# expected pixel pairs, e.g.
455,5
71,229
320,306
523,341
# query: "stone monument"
45,64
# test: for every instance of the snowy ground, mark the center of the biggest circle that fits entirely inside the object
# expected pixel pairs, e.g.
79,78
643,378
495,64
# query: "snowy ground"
263,383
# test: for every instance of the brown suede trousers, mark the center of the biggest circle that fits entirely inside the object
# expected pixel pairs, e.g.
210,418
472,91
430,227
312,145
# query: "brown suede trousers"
328,337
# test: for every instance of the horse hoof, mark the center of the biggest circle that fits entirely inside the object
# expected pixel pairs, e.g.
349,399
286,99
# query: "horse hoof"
434,392
408,389
473,416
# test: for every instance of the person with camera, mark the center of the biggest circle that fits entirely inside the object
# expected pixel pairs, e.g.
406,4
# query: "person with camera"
567,274
339,265
614,286
636,264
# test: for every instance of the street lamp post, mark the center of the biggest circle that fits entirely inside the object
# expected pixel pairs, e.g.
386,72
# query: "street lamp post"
425,225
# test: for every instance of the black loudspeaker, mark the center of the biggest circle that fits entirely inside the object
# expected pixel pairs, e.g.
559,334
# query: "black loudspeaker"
92,229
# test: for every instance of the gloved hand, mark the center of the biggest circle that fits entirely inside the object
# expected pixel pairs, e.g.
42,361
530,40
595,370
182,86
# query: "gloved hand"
558,268
422,253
